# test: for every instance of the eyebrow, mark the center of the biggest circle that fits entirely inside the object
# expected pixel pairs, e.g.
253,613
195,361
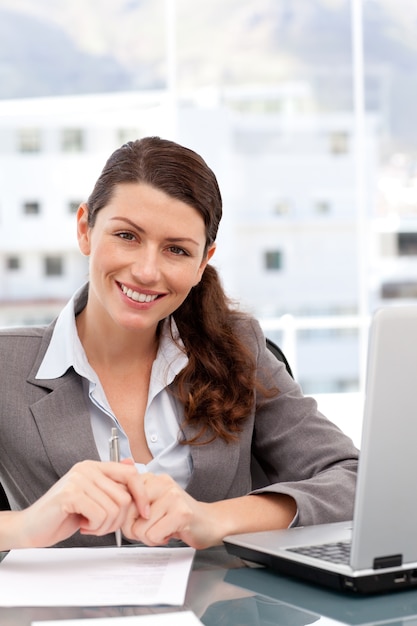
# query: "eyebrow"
142,230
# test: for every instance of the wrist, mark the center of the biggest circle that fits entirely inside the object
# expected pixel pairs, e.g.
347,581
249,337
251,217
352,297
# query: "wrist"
253,513
12,534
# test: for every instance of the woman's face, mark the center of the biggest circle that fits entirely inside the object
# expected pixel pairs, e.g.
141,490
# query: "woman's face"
146,253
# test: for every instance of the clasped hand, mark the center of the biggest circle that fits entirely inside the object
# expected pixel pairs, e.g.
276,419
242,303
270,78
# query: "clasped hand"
98,498
171,513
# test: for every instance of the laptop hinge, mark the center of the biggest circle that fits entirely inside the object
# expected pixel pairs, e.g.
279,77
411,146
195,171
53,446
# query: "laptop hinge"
393,560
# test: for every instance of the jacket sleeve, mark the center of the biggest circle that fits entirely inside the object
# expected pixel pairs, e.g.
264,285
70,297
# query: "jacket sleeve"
298,451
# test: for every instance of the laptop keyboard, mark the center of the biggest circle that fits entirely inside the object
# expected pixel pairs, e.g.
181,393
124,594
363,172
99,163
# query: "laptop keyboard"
337,552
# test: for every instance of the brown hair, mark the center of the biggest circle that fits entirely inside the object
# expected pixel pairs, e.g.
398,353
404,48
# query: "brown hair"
218,384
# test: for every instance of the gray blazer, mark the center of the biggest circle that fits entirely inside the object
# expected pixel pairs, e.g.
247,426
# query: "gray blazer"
286,445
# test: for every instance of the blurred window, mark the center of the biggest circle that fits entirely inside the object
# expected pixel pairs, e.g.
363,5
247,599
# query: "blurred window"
399,290
273,260
407,244
13,263
128,134
31,207
322,207
73,206
72,140
29,140
53,266
339,143
326,385
282,206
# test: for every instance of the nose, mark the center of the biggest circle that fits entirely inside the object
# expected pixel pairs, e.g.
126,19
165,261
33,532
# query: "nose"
146,266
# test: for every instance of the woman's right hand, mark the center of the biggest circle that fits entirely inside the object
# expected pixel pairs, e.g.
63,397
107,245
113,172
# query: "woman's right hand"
93,497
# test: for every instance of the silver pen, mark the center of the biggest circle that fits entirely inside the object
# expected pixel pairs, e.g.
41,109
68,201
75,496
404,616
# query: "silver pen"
115,456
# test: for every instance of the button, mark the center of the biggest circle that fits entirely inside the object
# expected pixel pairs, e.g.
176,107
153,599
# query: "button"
154,438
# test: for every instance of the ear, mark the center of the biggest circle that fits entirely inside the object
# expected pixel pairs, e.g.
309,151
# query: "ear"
83,229
204,262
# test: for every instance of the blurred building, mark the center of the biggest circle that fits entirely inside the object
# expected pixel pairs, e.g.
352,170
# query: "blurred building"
288,241
394,233
51,152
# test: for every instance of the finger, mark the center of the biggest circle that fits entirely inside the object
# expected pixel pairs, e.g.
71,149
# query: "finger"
126,474
170,515
109,478
109,486
140,495
100,500
98,513
128,524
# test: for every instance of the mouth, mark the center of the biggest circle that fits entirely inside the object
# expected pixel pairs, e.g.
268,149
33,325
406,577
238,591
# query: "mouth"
138,296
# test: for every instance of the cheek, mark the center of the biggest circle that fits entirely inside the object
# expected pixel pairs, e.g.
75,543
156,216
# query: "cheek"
102,259
199,272
184,279
198,275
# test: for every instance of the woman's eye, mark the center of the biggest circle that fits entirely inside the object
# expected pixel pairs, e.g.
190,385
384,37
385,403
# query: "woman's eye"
177,251
126,236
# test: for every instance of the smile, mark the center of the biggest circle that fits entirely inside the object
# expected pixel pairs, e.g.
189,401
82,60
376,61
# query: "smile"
137,296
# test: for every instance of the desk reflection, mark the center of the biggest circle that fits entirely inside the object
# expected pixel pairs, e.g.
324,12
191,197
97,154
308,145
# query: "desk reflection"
283,601
224,591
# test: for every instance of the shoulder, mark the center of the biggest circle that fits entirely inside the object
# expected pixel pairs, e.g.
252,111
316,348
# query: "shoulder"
13,333
19,339
248,329
268,356
22,349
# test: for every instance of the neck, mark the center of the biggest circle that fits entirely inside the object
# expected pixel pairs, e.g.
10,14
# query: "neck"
117,345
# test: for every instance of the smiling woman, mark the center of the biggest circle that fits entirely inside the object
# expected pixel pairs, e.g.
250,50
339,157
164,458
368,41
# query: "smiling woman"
137,279
152,346
132,253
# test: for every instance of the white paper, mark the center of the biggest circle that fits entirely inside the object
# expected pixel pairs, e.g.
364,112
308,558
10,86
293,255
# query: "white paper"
182,618
113,576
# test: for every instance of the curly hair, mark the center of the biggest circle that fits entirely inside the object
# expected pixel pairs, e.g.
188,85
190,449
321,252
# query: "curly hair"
217,386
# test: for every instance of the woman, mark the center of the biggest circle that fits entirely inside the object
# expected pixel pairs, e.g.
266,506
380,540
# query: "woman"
153,346
92,498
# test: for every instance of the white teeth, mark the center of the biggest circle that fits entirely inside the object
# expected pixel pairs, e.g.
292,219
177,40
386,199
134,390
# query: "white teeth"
136,296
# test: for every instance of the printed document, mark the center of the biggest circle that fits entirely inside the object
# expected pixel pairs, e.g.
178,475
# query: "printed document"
138,576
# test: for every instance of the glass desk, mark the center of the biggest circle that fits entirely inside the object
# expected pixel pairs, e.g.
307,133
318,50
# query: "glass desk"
223,591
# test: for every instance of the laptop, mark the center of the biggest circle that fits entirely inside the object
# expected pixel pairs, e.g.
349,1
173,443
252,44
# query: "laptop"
377,551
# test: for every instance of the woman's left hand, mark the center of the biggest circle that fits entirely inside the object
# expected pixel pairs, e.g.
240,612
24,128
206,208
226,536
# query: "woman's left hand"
175,514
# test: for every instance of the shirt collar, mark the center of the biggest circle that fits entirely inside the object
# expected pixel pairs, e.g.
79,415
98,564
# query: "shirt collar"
60,355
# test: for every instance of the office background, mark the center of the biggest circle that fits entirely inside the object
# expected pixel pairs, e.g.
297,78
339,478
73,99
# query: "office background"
305,109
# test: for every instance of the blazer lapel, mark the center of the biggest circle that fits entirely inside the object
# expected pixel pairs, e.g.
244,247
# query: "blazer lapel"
62,416
64,423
